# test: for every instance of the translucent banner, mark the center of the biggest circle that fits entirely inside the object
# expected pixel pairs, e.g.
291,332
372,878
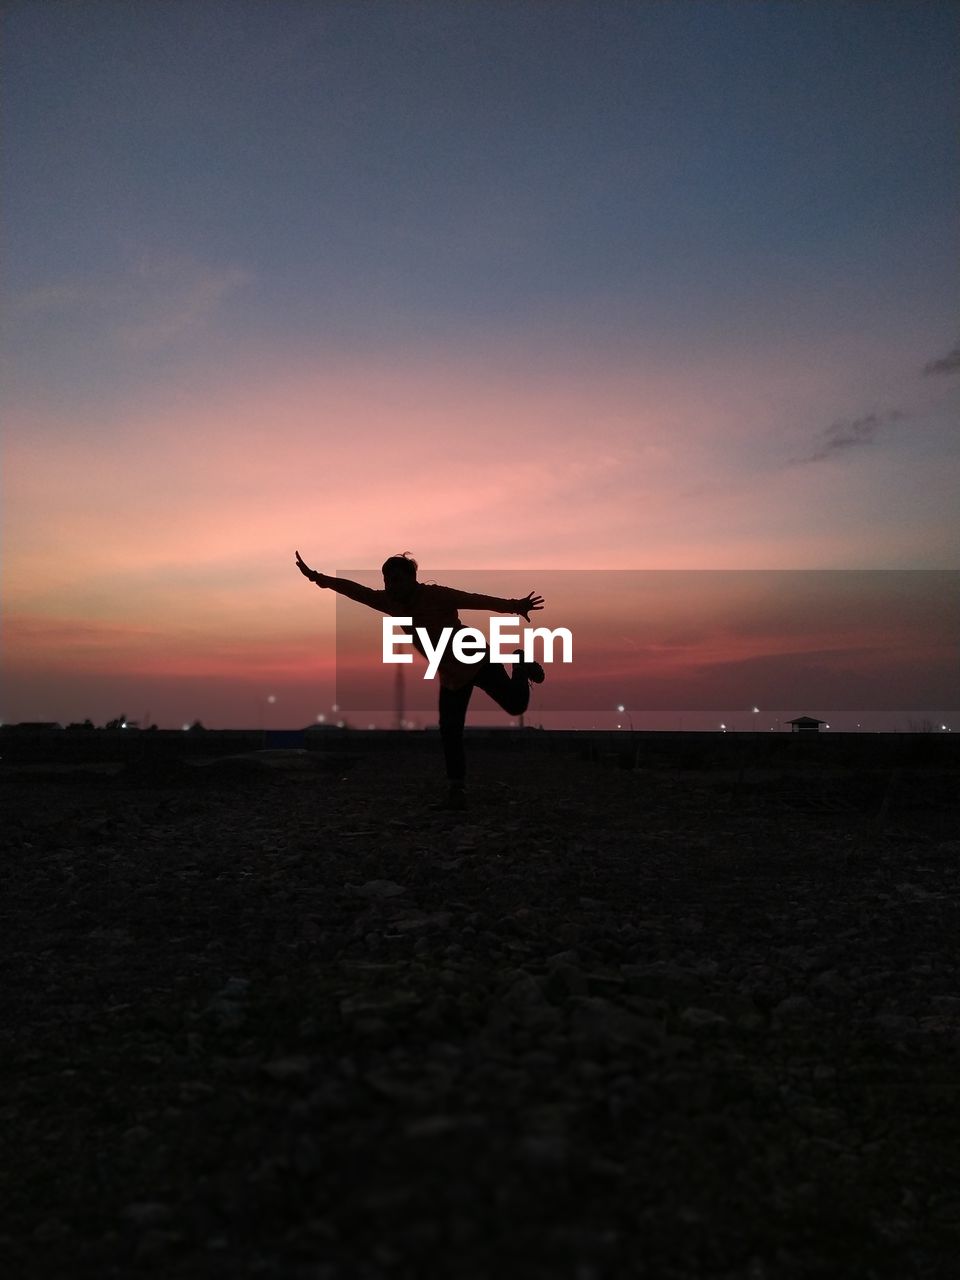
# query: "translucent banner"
814,642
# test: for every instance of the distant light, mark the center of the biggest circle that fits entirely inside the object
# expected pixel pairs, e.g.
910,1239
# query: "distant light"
321,718
826,726
619,726
184,727
271,697
756,711
723,727
123,724
335,707
944,729
621,707
339,724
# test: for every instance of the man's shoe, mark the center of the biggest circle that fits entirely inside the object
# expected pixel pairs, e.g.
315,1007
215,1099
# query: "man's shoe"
456,798
532,670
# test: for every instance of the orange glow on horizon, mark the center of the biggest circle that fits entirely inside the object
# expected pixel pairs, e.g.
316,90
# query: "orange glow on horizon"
165,547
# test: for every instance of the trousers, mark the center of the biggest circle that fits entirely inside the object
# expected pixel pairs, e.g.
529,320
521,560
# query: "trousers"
512,693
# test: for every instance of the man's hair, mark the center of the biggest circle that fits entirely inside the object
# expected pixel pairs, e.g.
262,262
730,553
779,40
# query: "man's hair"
404,563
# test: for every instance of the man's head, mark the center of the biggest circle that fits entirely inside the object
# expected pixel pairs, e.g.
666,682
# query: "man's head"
399,574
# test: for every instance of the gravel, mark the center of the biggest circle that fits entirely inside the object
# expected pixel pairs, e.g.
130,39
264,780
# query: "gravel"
295,1023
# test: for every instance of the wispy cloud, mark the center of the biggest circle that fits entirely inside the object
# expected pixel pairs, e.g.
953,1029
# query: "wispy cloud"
152,301
46,299
164,299
844,435
949,363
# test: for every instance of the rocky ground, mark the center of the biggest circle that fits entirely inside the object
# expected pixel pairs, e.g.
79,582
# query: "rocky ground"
284,1020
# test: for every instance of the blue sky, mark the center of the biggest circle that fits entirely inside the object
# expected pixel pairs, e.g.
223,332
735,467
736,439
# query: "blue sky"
385,172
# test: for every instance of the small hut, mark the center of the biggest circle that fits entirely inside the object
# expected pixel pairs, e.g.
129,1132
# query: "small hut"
805,724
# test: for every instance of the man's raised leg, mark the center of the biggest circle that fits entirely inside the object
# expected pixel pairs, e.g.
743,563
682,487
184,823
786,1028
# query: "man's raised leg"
511,692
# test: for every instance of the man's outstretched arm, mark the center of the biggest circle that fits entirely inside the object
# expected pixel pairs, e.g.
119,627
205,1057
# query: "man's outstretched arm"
496,604
344,586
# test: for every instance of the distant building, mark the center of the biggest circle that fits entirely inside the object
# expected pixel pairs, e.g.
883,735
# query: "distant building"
805,724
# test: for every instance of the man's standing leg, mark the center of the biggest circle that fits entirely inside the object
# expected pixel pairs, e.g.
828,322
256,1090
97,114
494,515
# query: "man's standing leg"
453,715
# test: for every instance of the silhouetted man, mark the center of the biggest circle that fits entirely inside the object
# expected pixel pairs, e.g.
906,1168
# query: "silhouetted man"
432,608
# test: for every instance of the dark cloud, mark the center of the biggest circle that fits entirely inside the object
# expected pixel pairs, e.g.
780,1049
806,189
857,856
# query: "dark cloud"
948,364
845,435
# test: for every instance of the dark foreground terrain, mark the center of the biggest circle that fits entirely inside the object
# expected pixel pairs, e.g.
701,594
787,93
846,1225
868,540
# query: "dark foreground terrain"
275,1017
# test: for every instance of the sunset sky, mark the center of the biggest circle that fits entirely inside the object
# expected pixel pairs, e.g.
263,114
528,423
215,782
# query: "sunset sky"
512,286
